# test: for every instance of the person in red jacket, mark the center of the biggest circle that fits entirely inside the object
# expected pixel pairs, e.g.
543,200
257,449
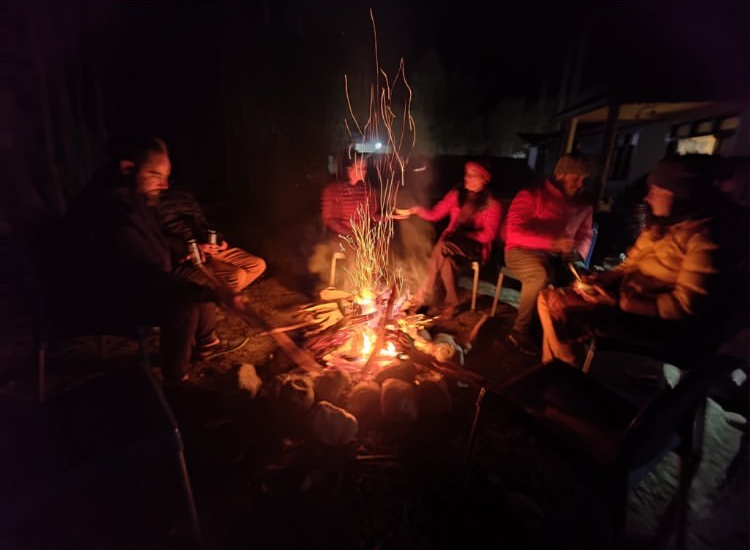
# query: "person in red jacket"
544,226
474,219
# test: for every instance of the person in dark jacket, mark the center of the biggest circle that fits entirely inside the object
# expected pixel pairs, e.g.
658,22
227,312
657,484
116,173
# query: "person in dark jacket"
122,266
183,219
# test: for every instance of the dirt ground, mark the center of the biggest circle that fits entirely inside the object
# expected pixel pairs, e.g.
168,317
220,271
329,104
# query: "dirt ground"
262,481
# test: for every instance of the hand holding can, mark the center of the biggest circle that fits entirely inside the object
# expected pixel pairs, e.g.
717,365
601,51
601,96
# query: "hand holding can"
195,252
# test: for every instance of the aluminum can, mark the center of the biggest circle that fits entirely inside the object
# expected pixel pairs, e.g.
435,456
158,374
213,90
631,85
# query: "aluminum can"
195,253
212,239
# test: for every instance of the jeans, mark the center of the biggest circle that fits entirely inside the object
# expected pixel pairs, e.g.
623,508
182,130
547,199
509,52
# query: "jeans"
183,321
444,262
534,268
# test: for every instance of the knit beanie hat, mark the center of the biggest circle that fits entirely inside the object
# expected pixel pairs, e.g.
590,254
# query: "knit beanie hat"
479,168
572,164
685,176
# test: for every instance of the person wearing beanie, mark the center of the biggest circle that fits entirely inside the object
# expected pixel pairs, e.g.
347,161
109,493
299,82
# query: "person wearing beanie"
474,219
544,227
662,289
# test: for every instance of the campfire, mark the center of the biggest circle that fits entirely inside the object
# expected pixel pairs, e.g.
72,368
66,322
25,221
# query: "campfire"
363,355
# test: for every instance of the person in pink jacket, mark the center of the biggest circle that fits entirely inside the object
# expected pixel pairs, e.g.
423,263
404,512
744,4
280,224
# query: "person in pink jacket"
474,219
543,227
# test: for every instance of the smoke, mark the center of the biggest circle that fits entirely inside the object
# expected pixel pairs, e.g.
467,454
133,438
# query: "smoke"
320,264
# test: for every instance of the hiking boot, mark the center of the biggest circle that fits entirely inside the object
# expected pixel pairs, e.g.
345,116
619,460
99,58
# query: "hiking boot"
208,341
205,352
523,343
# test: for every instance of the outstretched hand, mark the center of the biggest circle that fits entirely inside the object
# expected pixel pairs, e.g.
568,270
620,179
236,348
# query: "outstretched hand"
401,213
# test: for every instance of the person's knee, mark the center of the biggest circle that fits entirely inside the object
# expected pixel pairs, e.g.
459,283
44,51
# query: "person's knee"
535,280
260,267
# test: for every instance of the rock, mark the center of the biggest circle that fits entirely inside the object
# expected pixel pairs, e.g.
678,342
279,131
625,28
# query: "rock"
403,370
433,397
364,400
397,401
446,350
296,392
330,384
333,425
248,379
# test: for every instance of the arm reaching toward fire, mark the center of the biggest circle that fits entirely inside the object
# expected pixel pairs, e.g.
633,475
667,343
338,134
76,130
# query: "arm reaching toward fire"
402,213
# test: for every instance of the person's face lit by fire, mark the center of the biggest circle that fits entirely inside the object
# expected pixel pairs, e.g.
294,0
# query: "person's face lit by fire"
570,184
152,176
356,172
474,180
659,200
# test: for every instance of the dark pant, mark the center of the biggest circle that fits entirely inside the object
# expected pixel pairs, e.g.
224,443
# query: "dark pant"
444,261
183,320
535,269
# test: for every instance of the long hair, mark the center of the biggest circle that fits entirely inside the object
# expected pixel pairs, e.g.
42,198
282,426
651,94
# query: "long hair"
482,198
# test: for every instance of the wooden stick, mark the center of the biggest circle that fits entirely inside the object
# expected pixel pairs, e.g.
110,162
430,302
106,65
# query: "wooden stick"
299,356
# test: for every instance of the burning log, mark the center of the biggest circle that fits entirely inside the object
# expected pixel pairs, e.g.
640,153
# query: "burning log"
380,338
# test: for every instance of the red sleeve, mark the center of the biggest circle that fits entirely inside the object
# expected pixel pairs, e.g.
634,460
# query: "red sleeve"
490,223
441,209
328,210
521,228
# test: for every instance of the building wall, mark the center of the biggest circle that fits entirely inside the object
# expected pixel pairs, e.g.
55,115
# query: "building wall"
652,146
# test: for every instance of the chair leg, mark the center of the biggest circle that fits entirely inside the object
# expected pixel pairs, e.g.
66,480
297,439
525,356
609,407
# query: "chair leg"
332,275
475,286
472,438
187,489
590,351
142,344
498,288
41,358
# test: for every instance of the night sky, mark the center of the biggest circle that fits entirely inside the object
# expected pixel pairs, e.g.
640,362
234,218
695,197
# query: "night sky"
246,93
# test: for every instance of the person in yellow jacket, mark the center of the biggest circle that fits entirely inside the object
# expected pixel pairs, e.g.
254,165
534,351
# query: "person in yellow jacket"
661,289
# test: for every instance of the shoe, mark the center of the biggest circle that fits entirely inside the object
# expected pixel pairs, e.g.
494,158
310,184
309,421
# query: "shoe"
523,343
198,374
208,341
448,313
205,352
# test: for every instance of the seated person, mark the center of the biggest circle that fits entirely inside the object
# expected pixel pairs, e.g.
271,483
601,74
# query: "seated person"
659,294
473,226
345,199
121,266
545,227
182,220
348,202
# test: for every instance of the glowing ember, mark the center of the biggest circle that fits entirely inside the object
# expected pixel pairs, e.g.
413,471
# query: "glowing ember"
373,327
